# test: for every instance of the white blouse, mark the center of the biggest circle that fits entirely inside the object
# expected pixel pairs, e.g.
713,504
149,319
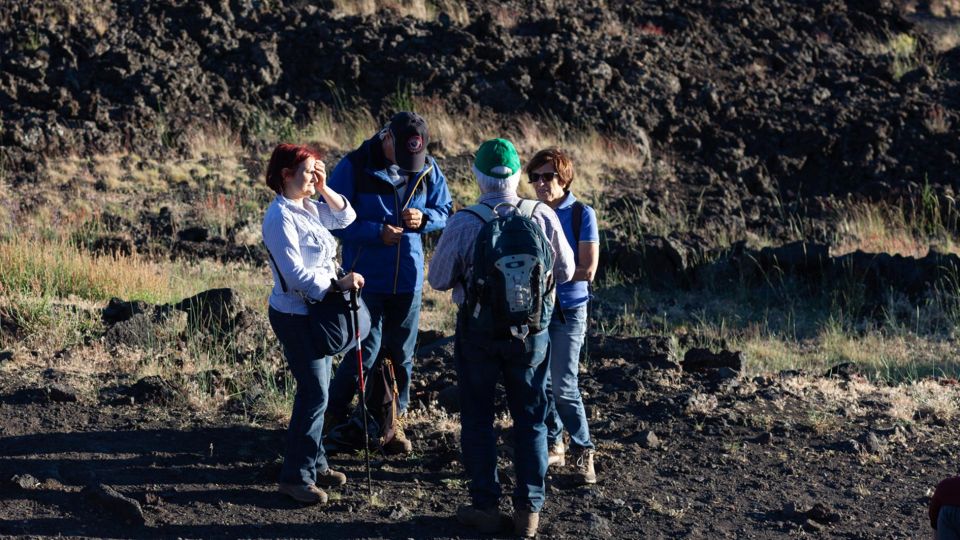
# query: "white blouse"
303,250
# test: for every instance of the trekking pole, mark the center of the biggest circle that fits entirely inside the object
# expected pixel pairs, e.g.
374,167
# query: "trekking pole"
355,310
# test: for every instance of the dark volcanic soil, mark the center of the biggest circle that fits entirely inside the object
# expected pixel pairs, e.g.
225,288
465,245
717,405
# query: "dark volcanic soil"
727,458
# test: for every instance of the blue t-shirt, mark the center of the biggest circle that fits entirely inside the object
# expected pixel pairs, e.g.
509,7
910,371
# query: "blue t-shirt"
575,293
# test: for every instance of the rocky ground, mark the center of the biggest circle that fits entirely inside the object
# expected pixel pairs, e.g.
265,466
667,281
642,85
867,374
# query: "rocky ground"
757,119
687,448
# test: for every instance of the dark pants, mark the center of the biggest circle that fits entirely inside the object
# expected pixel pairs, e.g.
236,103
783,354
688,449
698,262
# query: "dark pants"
524,368
948,523
304,454
393,325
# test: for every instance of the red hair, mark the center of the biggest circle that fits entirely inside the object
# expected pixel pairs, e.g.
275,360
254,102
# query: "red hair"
286,156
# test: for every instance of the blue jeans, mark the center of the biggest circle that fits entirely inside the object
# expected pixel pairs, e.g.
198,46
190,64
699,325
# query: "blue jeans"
948,523
479,364
393,324
564,404
304,455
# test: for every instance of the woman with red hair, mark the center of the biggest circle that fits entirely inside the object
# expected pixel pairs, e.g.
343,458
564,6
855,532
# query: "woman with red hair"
296,231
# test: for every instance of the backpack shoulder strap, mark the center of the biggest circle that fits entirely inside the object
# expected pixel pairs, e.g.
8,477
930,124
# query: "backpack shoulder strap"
578,209
482,211
577,222
526,207
283,282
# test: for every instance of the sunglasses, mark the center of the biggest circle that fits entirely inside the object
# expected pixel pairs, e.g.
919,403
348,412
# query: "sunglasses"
546,177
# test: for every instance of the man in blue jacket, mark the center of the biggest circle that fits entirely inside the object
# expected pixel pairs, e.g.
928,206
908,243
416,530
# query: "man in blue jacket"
399,194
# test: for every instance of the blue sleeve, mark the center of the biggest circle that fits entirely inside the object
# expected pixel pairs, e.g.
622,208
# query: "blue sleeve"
589,231
439,203
361,231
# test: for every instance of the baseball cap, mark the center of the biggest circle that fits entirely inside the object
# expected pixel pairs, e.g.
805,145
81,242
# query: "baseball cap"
410,139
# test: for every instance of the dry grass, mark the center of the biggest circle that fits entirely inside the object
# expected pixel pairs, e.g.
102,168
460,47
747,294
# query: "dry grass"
902,230
208,167
668,508
55,268
56,14
903,51
424,10
439,312
903,403
339,130
880,354
433,419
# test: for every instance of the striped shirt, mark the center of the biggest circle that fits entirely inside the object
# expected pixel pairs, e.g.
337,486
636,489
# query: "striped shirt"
453,256
304,250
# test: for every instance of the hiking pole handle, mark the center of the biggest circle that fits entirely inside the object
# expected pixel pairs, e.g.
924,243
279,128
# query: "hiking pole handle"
355,299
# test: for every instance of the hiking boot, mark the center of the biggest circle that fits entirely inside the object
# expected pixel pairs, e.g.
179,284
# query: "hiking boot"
331,478
525,523
486,521
584,463
306,494
557,455
399,444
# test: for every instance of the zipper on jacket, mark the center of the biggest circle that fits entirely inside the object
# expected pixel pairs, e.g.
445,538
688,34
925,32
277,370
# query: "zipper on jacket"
396,206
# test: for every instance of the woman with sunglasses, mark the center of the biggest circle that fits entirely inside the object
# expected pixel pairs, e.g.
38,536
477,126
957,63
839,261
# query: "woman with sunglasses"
550,172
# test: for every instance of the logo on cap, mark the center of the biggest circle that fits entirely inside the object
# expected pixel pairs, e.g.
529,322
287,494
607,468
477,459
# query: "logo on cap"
415,144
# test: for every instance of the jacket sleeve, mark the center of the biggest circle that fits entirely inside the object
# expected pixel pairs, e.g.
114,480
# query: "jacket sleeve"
361,231
282,239
439,203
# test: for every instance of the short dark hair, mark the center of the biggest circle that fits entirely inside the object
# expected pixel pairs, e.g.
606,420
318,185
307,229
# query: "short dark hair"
561,162
286,156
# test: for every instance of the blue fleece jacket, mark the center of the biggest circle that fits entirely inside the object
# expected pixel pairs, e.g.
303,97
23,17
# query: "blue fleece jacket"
362,178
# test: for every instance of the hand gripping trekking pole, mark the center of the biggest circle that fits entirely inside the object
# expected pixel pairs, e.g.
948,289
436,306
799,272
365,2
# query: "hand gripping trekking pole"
355,311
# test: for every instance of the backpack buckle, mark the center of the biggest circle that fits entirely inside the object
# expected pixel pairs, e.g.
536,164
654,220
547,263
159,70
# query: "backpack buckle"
520,332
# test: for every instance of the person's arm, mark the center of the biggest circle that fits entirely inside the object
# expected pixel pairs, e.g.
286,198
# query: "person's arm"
563,262
439,203
359,230
588,247
334,219
282,239
589,256
333,209
446,265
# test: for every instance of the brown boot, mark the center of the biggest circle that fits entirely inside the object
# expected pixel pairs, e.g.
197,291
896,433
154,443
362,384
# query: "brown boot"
525,523
399,444
306,494
583,460
487,521
557,454
331,478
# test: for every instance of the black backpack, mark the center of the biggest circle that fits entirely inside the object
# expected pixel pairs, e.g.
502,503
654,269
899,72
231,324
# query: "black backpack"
511,289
